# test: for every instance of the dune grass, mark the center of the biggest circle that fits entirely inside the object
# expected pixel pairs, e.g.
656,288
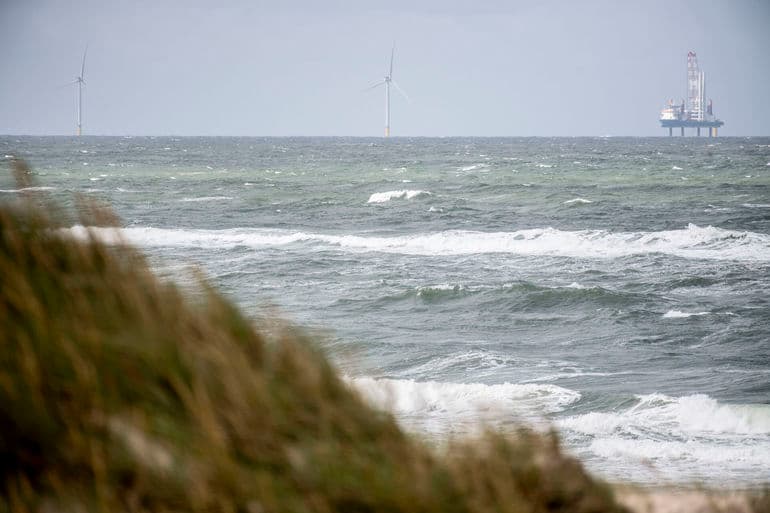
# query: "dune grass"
120,393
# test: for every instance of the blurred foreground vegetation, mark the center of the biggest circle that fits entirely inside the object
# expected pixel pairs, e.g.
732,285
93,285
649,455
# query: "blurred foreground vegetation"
118,393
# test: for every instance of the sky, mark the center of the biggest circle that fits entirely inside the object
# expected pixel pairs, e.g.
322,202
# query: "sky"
300,67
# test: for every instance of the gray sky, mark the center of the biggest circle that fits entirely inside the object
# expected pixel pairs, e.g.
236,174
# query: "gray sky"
500,67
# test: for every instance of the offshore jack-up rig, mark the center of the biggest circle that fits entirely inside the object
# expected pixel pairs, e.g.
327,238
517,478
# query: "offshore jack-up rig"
696,113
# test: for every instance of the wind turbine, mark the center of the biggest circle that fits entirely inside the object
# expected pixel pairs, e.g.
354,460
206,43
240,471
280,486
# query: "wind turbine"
388,80
80,81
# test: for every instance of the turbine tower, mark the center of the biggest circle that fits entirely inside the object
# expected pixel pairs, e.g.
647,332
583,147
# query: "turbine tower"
387,81
80,81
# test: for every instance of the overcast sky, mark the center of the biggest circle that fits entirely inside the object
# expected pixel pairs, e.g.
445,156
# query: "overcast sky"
501,67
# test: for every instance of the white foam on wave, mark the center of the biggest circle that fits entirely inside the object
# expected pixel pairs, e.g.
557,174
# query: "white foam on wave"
676,168
678,314
476,361
677,458
29,189
161,237
442,407
206,198
473,167
675,417
680,435
443,287
579,201
691,242
382,197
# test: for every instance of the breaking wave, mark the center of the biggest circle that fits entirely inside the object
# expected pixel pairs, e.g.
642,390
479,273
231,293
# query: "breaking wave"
677,436
206,198
691,242
675,417
382,197
443,407
677,314
578,201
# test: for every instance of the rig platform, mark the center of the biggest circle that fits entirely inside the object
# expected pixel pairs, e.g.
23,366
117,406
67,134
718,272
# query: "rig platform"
695,113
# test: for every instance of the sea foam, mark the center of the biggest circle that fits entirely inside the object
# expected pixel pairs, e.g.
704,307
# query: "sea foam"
692,242
678,314
578,201
206,198
692,415
382,197
680,436
443,407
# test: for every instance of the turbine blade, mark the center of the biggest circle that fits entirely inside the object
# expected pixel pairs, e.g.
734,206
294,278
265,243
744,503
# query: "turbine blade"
378,84
62,86
398,88
83,66
392,51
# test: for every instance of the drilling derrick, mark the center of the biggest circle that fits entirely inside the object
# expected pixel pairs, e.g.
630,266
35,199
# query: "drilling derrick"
695,113
695,87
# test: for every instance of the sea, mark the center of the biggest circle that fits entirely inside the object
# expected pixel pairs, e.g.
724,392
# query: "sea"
612,289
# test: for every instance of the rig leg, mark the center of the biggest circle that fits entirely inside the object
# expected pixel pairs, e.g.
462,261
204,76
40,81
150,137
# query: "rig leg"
670,130
698,131
711,132
682,131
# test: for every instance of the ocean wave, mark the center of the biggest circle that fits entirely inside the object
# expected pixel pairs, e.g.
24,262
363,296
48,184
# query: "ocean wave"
674,417
472,361
676,436
206,198
29,189
691,242
440,291
697,458
438,406
382,197
678,314
163,237
473,167
578,201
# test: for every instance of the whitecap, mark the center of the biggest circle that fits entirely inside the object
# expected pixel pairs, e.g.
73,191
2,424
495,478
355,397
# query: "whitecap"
579,201
450,407
206,198
677,314
692,415
678,435
30,189
692,242
443,287
676,168
382,197
472,167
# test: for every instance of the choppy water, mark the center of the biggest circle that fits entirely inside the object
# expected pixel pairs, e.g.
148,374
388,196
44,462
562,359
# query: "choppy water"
615,288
